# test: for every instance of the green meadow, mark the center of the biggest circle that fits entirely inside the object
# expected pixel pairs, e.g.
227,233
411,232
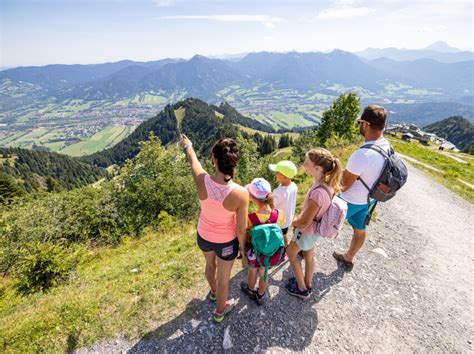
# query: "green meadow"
453,171
104,139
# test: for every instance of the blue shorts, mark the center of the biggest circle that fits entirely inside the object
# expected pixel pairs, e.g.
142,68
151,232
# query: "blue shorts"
356,214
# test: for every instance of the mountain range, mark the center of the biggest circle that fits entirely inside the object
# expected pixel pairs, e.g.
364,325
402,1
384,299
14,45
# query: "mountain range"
439,51
204,77
279,91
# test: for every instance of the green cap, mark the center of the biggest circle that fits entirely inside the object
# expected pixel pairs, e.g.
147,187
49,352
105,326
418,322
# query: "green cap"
285,167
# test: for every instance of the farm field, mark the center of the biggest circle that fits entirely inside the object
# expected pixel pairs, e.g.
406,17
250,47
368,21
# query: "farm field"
104,139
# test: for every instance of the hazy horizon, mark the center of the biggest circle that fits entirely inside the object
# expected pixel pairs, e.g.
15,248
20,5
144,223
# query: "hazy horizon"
212,56
37,33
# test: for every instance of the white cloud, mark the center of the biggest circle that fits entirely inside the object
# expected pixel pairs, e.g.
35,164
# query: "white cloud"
345,2
268,21
432,29
435,11
164,3
344,12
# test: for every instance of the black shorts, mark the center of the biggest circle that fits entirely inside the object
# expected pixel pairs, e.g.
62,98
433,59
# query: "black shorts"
285,230
226,251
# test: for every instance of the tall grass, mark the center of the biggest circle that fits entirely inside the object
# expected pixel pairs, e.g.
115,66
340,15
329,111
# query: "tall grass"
129,289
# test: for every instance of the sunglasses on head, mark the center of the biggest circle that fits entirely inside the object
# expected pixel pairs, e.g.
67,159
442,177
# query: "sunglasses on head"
360,121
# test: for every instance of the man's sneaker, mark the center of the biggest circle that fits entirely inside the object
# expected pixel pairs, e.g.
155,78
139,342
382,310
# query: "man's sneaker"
293,289
260,299
219,317
252,294
292,280
346,265
212,296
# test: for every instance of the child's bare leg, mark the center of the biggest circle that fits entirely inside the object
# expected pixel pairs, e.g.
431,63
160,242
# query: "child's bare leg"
262,286
309,267
252,277
292,253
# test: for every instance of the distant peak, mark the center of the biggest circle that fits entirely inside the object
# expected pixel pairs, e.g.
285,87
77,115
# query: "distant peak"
198,57
339,51
442,47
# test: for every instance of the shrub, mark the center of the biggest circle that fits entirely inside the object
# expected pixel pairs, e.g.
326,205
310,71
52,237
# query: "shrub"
307,140
249,160
43,265
81,215
86,215
158,179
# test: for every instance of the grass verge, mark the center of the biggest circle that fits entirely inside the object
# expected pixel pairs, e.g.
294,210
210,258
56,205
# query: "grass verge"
105,296
452,170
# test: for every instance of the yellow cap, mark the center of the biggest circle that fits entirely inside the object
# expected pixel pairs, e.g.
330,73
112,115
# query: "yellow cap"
285,167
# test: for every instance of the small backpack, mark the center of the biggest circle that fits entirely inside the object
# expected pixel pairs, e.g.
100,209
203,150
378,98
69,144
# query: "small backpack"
332,220
267,241
393,176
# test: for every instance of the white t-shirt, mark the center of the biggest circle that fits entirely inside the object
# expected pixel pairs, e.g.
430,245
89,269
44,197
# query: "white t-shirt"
284,198
367,164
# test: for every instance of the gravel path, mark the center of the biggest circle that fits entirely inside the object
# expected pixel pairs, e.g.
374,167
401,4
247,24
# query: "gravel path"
411,290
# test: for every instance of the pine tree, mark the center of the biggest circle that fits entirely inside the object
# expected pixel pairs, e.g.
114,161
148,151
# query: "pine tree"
284,141
307,140
9,189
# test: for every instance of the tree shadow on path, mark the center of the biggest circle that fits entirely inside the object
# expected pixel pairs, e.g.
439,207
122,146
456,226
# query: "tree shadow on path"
283,321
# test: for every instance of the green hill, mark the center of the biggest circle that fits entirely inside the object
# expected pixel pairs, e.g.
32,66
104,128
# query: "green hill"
456,129
233,116
201,122
31,170
164,126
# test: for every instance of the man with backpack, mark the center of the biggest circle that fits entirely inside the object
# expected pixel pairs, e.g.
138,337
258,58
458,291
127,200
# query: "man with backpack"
373,173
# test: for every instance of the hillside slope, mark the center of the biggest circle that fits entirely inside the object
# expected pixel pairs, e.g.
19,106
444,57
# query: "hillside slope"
34,170
203,123
456,129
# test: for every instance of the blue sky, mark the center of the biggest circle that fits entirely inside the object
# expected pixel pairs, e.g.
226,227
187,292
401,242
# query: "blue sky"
34,32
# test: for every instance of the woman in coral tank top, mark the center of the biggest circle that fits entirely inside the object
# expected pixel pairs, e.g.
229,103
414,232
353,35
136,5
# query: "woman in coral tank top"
223,218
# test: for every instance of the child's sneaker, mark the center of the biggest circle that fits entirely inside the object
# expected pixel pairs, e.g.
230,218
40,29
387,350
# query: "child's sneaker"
293,289
292,280
252,294
259,299
219,317
212,296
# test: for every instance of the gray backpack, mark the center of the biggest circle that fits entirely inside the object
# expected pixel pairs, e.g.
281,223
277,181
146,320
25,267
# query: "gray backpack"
393,176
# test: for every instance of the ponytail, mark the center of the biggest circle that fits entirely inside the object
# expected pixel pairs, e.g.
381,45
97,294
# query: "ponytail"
333,178
332,167
269,201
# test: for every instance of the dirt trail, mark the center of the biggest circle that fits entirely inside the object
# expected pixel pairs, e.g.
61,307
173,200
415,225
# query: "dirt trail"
453,157
419,298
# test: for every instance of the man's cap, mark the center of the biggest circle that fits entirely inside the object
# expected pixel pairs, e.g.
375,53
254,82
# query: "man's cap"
259,188
285,167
